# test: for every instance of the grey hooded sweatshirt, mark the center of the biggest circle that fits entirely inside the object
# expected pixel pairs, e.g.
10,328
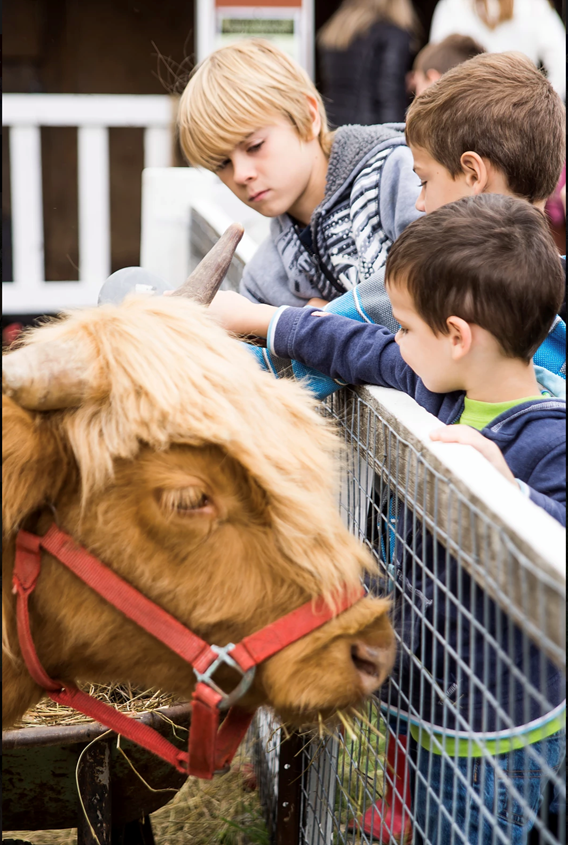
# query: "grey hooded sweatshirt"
370,197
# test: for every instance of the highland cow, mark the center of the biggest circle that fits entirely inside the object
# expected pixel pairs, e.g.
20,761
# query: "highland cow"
156,442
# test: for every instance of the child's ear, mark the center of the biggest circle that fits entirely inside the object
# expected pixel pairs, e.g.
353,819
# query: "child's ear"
460,337
432,76
475,172
314,115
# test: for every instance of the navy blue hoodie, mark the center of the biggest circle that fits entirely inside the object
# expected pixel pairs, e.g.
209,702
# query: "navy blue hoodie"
532,438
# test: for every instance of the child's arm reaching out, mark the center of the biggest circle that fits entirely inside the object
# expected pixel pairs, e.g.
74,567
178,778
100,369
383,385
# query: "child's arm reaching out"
344,349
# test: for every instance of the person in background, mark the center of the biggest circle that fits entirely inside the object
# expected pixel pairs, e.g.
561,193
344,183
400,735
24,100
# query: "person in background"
531,26
556,213
365,52
435,59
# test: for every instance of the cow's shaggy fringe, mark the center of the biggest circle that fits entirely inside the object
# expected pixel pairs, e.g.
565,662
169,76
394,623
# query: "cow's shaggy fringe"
161,378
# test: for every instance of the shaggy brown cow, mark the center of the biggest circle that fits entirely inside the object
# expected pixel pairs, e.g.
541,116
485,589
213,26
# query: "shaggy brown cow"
199,479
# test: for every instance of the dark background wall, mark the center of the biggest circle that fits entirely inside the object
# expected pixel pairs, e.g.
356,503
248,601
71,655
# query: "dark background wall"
103,47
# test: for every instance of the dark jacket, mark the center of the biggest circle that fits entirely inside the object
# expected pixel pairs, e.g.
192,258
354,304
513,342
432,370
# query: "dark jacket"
366,82
532,438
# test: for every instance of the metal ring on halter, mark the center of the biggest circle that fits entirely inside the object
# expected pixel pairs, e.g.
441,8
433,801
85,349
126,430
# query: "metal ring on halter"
223,656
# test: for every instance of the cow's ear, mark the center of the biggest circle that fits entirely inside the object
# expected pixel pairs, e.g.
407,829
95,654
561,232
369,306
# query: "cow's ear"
33,464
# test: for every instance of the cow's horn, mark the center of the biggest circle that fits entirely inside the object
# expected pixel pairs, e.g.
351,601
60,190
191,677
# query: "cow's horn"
206,279
45,377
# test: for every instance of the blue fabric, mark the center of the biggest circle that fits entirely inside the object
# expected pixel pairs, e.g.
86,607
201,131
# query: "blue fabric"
552,353
440,794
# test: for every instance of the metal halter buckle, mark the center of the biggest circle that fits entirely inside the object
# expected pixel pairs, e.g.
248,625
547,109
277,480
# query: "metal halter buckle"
222,653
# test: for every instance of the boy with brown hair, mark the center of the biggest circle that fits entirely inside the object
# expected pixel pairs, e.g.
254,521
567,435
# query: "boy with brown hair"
491,125
461,284
435,59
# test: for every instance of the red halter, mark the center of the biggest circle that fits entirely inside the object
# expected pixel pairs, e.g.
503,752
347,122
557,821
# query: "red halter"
210,748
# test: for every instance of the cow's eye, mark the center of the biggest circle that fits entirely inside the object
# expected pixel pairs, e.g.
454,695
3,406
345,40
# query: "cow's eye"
185,500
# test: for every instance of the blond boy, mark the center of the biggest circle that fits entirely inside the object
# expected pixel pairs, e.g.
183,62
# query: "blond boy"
337,200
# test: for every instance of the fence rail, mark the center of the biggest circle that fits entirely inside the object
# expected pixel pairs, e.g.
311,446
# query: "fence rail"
92,114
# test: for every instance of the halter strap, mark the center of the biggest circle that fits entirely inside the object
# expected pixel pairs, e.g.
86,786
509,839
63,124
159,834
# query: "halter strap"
210,748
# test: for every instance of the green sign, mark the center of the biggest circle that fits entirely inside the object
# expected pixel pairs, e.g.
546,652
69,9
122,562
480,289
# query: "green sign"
259,27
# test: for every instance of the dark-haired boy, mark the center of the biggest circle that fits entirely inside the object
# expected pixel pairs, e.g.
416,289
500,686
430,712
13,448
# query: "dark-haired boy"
461,284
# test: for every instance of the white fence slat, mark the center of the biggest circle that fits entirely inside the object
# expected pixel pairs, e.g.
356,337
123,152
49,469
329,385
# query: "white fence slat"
87,109
157,146
94,204
27,207
168,195
48,297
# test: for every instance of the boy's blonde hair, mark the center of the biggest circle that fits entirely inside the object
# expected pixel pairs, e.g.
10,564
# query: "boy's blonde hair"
238,89
501,107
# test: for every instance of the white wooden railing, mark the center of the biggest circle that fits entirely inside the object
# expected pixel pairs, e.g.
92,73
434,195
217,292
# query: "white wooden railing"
92,114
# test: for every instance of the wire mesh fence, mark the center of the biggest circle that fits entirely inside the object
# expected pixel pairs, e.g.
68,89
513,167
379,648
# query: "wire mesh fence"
465,742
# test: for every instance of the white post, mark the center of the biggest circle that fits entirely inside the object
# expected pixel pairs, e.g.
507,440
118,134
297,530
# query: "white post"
27,208
157,146
308,21
205,26
94,204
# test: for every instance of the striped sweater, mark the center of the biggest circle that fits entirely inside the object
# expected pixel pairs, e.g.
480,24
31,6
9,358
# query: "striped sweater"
369,199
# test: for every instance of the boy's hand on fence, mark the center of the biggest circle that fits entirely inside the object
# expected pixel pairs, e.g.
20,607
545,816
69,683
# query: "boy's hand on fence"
468,436
239,315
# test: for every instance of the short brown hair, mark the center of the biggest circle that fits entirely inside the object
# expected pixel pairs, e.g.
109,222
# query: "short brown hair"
446,54
489,259
504,109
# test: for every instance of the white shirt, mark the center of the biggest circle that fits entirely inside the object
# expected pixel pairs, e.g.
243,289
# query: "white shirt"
535,29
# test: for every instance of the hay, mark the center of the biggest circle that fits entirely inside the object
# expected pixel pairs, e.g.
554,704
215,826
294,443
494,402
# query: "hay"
123,697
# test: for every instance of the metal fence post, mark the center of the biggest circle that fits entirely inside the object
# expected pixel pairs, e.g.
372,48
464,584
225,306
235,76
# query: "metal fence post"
94,824
288,815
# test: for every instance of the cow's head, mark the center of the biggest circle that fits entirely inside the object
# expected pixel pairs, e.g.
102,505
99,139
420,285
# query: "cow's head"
163,449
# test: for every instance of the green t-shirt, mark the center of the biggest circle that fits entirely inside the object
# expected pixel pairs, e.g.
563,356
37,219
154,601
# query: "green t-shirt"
479,414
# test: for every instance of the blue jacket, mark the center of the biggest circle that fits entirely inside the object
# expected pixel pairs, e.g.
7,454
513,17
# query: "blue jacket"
532,438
